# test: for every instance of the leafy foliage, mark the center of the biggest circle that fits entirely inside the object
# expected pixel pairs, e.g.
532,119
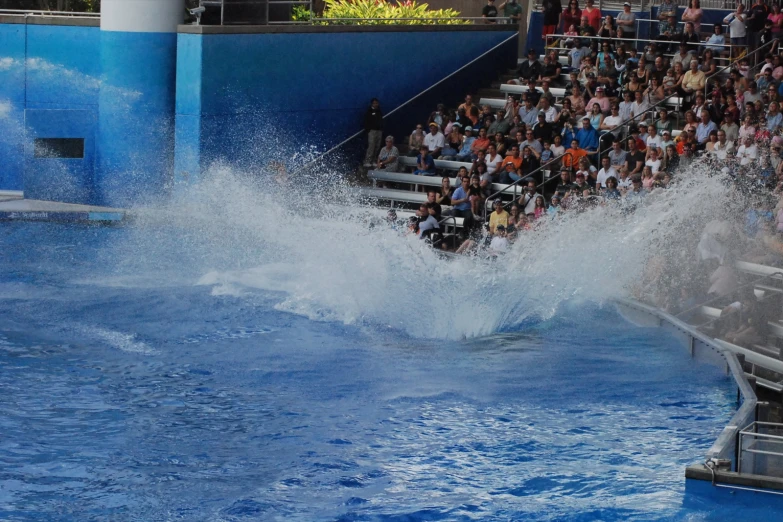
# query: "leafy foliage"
381,12
300,13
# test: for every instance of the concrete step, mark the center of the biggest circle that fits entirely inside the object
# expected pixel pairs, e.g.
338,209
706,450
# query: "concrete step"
490,93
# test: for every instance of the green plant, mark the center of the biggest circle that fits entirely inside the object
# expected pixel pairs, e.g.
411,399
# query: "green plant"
381,12
300,13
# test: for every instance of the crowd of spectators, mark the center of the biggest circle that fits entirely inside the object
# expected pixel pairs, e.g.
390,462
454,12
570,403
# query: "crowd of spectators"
628,121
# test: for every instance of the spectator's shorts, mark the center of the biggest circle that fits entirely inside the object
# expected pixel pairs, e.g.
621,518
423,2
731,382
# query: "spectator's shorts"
738,41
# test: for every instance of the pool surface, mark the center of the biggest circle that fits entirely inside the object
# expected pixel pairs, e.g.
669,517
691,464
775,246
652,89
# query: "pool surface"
129,392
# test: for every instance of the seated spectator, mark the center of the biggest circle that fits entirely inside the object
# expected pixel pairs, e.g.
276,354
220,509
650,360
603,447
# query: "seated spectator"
595,116
415,141
704,128
435,141
601,100
476,196
653,161
590,172
635,159
666,140
640,106
580,185
550,71
543,131
388,158
510,173
694,80
587,137
573,154
717,40
691,39
747,153
711,142
443,195
557,147
530,162
425,163
527,201
427,222
607,171
577,101
549,111
528,114
499,244
493,160
481,158
774,118
530,68
724,147
466,152
748,129
617,155
498,217
481,143
502,124
453,143
730,127
531,142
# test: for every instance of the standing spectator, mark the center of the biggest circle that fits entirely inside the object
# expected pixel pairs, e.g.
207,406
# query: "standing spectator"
373,125
511,9
388,158
777,20
425,164
668,8
593,15
490,12
757,15
627,22
572,16
553,11
694,15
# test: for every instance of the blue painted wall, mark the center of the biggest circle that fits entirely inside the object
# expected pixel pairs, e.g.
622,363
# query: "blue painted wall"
49,83
136,117
256,97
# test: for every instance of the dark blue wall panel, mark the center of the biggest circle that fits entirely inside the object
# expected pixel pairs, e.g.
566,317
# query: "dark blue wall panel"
12,93
271,96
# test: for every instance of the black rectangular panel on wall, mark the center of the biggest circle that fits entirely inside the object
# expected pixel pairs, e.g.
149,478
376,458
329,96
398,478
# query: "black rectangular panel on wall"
59,148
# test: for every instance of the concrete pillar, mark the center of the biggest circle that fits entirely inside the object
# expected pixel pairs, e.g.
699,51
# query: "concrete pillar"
136,103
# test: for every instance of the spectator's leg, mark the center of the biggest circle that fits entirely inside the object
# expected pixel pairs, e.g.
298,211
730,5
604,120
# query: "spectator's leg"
373,146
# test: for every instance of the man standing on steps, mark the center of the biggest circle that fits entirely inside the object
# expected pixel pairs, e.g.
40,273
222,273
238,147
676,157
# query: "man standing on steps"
490,12
511,9
373,124
553,12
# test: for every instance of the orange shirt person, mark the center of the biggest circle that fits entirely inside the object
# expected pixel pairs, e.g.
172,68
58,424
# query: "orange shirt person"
573,155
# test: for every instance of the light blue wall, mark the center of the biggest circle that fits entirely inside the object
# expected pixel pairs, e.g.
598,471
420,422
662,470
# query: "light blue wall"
49,81
256,97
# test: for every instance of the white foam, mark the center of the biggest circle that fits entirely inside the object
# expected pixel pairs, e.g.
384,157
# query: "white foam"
328,265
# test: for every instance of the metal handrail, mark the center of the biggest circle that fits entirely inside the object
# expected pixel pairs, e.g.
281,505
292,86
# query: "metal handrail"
44,12
645,40
731,63
422,93
765,276
521,179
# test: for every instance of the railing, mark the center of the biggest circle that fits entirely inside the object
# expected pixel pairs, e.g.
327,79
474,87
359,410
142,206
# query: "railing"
612,40
759,443
313,20
404,104
723,68
525,178
44,12
222,5
705,4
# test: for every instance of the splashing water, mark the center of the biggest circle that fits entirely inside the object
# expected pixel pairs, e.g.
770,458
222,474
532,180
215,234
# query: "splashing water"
313,245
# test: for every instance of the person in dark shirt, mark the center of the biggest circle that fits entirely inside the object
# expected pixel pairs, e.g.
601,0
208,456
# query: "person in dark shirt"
543,129
757,15
490,12
373,125
553,11
425,165
530,68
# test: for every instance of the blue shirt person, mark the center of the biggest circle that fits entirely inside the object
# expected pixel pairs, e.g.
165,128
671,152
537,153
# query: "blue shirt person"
425,165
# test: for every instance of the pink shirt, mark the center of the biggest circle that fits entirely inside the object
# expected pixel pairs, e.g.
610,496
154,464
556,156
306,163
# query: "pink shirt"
694,14
776,18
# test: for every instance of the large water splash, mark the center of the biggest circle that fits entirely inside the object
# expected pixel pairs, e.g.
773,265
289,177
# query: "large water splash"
313,248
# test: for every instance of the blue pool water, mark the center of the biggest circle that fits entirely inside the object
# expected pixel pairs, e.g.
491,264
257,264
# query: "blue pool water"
128,392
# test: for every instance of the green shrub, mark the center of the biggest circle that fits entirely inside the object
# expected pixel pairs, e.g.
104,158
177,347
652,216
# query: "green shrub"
380,12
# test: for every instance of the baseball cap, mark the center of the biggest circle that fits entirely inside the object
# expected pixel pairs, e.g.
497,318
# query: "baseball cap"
468,128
